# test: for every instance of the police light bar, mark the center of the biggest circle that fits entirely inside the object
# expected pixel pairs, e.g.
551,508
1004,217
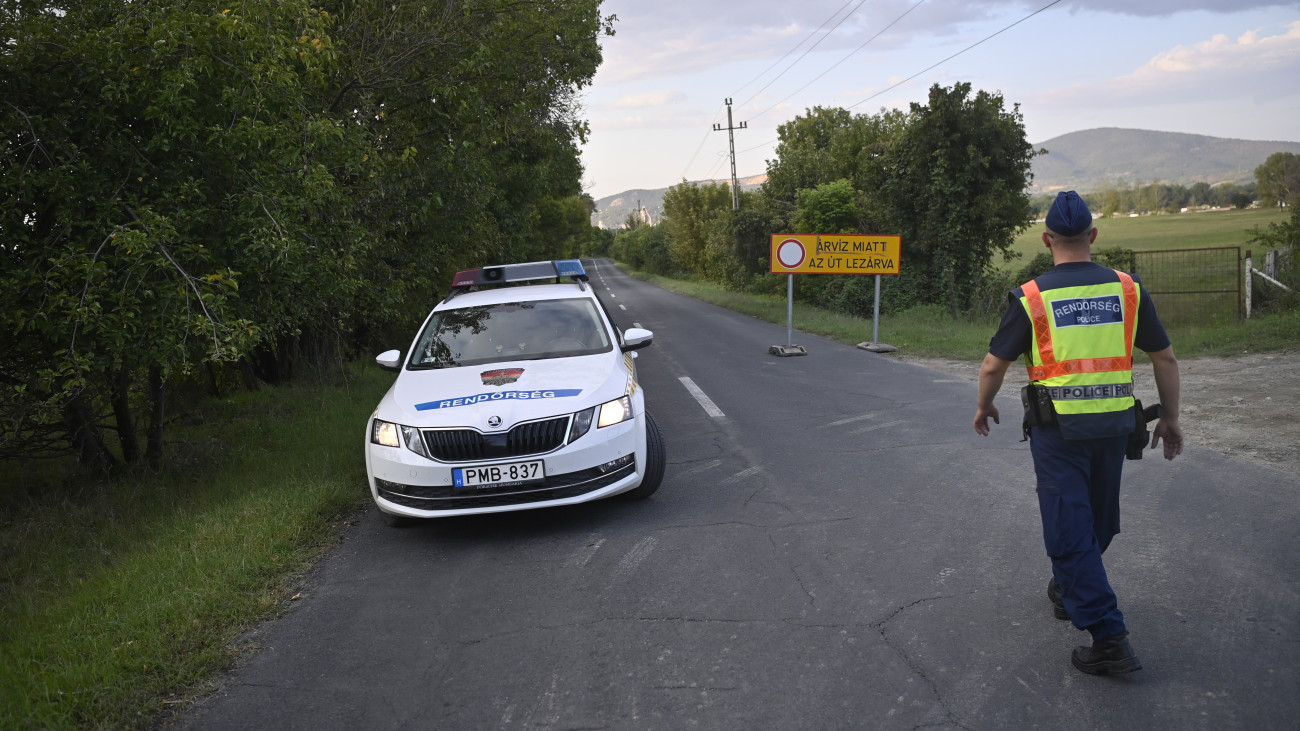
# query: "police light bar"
507,273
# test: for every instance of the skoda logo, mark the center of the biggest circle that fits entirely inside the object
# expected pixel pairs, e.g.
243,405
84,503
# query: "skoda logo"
494,421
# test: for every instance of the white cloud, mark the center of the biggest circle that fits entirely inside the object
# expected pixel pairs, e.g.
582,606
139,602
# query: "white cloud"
675,37
1212,69
1162,8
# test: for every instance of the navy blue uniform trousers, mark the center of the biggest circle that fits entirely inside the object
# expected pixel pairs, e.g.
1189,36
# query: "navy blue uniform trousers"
1078,497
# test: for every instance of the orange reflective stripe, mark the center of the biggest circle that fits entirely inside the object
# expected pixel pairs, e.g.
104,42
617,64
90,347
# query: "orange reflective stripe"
1042,329
1082,365
1130,312
1050,367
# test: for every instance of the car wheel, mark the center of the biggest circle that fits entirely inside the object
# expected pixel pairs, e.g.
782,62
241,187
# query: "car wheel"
656,458
396,521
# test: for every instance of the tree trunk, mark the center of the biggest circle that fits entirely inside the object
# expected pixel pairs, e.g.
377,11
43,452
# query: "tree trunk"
950,279
157,415
87,441
122,412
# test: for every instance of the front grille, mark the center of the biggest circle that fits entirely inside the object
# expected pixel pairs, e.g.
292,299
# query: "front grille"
556,487
468,445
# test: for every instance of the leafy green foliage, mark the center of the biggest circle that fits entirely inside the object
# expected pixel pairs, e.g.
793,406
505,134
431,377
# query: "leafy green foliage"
955,190
1278,180
184,184
949,177
1111,199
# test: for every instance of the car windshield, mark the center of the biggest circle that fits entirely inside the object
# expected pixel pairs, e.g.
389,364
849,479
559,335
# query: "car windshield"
515,331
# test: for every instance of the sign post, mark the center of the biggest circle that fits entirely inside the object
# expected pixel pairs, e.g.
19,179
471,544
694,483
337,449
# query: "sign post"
833,254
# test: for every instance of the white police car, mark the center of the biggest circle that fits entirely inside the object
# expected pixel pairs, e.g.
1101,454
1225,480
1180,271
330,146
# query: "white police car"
513,397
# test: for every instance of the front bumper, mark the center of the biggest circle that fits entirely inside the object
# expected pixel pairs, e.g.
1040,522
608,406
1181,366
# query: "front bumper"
404,483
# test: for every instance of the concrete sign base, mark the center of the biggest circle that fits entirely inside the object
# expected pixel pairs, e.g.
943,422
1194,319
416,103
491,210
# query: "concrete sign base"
877,347
787,350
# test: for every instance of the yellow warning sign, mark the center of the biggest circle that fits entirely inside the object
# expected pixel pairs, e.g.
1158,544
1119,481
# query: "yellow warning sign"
835,254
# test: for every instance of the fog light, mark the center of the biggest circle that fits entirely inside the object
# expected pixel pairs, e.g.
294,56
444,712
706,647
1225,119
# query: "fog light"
619,463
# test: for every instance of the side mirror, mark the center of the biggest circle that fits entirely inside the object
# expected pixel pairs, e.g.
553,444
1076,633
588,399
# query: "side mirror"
390,360
636,338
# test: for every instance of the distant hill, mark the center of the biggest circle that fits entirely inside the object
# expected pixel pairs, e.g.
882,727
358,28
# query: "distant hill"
1080,161
1086,160
612,211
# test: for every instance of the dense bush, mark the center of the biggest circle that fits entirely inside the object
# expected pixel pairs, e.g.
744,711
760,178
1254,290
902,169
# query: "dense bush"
185,186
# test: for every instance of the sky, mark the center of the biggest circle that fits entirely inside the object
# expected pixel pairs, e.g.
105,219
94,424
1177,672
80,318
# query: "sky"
1224,68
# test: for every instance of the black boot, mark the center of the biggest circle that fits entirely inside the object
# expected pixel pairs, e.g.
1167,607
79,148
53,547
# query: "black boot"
1058,606
1112,655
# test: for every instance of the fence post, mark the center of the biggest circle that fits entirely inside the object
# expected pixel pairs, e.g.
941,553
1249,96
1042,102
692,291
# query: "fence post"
1247,283
1270,263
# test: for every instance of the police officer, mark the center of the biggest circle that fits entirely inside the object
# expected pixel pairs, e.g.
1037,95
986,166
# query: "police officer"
1077,326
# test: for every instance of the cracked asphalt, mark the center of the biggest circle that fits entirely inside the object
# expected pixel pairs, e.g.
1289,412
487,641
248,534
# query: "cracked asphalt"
838,550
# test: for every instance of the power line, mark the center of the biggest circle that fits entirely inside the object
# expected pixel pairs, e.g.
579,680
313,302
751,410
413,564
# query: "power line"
760,75
928,68
805,53
792,50
955,55
701,145
842,60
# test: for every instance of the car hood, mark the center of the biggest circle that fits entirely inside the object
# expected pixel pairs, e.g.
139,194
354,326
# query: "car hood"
468,396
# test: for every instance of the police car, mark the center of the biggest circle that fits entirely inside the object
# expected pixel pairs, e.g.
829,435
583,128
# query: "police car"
515,394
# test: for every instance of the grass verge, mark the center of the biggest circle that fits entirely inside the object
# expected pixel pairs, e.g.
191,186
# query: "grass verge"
928,332
117,599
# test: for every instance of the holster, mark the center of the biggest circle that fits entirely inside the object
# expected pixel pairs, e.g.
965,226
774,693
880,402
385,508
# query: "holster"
1141,436
1039,410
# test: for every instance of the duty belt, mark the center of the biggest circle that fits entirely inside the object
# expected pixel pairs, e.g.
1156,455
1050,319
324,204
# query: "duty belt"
1095,391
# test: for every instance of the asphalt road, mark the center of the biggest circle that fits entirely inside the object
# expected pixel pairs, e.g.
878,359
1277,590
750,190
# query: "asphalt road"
833,547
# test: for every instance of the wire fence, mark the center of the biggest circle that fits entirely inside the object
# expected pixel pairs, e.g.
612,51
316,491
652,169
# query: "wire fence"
1193,287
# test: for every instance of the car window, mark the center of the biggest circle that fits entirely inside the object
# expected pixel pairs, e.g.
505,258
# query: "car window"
513,331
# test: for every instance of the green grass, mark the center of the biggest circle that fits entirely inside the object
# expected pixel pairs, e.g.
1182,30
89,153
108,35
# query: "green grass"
1160,233
929,332
115,597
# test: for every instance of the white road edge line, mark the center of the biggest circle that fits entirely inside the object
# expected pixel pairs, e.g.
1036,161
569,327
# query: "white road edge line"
709,407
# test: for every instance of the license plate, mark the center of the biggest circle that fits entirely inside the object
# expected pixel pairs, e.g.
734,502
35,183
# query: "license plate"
506,474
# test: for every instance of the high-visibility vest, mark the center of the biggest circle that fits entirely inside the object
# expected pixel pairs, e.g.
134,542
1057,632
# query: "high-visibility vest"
1083,345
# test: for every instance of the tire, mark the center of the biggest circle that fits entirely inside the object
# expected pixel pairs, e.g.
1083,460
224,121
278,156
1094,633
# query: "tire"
656,458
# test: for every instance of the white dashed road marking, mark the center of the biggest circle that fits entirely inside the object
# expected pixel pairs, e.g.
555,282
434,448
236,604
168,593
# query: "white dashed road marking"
709,407
635,556
741,475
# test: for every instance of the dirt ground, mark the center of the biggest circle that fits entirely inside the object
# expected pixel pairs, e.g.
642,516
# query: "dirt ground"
1247,406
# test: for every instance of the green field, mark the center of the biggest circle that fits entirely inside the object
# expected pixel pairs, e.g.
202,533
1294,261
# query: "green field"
1161,232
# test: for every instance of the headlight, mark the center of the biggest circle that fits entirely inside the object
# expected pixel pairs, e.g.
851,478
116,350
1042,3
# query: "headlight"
394,435
581,423
414,441
615,412
382,432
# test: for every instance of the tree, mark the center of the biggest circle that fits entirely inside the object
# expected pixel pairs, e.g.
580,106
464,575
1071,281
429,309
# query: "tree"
955,186
187,183
1278,180
1201,194
691,212
830,208
826,145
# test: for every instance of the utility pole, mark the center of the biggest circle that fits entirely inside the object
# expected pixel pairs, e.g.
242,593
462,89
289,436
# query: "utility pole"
731,136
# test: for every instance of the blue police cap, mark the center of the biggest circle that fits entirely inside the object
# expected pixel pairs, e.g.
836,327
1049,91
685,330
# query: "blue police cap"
1069,215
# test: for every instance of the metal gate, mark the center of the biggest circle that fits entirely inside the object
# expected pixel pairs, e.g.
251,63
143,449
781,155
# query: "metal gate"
1193,286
